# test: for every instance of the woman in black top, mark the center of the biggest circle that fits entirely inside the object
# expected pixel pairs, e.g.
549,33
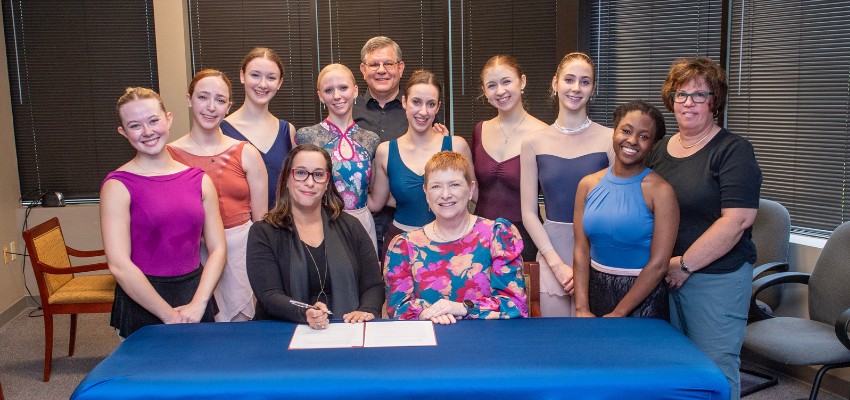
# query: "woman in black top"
716,179
307,250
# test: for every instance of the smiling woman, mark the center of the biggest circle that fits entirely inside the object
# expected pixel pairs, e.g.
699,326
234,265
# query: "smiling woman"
459,265
399,163
351,147
236,168
625,224
308,250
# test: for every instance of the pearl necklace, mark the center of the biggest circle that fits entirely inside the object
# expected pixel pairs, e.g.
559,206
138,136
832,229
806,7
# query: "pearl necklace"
573,131
513,131
682,142
465,231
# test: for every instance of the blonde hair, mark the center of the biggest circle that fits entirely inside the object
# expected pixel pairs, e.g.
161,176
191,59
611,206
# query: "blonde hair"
137,93
334,67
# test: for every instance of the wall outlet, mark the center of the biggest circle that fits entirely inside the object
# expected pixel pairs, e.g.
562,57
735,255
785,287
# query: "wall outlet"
13,250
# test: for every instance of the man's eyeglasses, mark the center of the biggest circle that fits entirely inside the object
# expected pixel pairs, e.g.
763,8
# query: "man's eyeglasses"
697,97
389,66
301,175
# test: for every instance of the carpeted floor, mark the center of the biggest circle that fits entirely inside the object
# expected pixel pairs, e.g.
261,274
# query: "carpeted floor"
22,354
22,359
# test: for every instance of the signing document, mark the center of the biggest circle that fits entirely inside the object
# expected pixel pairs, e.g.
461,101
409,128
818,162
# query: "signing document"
365,334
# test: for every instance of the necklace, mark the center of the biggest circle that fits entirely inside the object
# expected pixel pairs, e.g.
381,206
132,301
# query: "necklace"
465,231
514,130
211,156
573,131
319,274
152,172
682,142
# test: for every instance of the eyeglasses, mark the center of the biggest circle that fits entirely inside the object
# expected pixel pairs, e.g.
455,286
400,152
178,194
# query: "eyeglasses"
697,97
389,66
301,175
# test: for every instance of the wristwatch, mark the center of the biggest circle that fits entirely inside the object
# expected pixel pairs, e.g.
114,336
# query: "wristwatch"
469,306
682,264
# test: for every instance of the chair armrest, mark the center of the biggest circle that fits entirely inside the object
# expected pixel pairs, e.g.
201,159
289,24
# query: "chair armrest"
771,266
72,270
773,280
841,328
89,253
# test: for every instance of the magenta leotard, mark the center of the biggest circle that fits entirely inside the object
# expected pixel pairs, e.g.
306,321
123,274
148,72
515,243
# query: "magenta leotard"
166,220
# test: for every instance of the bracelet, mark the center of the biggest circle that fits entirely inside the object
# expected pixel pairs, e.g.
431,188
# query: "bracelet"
684,266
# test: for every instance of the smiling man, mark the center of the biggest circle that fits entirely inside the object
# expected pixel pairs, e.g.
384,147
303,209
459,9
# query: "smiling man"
379,109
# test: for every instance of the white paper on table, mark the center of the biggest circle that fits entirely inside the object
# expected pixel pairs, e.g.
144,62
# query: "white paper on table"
337,335
399,334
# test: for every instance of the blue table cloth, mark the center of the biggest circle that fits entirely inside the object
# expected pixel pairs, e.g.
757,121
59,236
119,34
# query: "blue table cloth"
543,358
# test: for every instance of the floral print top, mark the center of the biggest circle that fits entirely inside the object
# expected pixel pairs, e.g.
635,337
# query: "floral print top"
351,152
484,266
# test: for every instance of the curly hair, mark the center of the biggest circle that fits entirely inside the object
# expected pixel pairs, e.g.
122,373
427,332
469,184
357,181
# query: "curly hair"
685,70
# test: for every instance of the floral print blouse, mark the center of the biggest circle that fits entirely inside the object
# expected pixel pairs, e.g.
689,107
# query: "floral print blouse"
484,266
351,152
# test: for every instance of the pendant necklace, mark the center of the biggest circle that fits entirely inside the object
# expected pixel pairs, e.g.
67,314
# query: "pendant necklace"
514,130
682,142
319,274
211,156
573,131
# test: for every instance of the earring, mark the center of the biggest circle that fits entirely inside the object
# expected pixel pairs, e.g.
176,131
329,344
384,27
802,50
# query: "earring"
521,92
321,105
355,100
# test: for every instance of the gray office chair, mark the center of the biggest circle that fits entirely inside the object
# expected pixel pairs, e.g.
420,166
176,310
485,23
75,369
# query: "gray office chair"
822,339
771,234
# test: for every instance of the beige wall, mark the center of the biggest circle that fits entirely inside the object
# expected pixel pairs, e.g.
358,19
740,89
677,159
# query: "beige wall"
81,223
11,287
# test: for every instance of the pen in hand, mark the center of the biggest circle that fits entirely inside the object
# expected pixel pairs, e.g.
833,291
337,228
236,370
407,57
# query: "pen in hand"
305,305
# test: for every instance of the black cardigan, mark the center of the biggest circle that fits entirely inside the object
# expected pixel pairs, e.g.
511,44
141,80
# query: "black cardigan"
277,270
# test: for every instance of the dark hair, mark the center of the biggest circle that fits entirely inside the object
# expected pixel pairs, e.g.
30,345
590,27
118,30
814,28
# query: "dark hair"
263,52
206,73
508,61
426,77
685,70
570,57
645,108
281,215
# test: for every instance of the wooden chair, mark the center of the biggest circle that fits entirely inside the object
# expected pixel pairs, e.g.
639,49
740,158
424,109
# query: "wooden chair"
61,292
531,273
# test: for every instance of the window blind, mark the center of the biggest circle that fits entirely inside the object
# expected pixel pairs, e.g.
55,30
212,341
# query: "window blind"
67,67
790,95
481,30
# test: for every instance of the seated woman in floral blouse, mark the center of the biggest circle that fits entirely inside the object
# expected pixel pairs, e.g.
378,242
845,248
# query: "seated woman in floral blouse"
460,265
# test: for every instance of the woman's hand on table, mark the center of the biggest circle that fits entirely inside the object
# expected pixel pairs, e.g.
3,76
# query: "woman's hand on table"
358,316
585,314
318,318
443,312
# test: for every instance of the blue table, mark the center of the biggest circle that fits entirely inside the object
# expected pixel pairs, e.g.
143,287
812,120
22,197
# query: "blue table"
551,358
